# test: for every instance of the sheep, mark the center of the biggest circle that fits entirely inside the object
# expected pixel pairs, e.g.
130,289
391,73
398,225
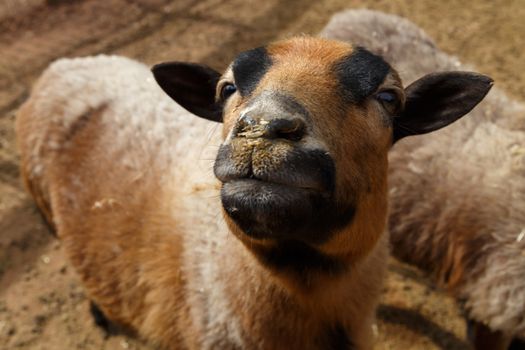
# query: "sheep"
458,196
281,246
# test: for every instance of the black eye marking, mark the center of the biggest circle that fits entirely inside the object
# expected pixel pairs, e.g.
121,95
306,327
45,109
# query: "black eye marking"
360,74
227,90
249,67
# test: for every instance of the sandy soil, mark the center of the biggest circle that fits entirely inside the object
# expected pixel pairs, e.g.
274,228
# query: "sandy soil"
42,305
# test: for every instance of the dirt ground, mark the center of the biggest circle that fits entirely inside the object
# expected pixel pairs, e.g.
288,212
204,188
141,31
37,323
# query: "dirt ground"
42,305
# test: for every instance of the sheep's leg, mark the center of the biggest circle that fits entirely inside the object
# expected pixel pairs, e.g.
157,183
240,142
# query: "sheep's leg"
47,222
483,338
101,319
42,205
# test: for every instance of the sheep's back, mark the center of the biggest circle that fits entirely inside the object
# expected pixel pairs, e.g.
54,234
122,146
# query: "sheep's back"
457,211
121,171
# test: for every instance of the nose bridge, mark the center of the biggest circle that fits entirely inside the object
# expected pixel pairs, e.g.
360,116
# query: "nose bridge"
272,115
273,104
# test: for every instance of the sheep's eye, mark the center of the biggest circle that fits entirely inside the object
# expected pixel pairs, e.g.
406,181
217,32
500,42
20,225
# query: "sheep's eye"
389,100
227,90
387,96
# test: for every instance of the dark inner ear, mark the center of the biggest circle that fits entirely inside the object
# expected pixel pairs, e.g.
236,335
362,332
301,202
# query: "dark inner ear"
439,99
192,86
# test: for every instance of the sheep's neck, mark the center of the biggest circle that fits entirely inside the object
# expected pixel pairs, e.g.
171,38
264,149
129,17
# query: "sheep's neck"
299,303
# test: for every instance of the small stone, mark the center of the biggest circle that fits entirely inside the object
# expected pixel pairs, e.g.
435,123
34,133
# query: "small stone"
40,320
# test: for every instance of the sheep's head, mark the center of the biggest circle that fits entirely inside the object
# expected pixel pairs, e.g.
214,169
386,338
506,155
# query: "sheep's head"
307,127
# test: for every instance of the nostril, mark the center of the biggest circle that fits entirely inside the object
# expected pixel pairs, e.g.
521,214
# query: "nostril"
247,120
289,129
248,127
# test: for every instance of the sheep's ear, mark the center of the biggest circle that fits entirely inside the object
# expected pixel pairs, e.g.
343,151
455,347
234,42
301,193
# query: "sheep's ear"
439,99
192,86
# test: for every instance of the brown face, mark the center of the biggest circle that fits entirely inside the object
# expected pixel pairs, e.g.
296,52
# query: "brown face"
307,126
305,137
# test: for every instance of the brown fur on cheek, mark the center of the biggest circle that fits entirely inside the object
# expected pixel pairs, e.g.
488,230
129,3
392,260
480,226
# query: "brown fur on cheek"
361,163
355,241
